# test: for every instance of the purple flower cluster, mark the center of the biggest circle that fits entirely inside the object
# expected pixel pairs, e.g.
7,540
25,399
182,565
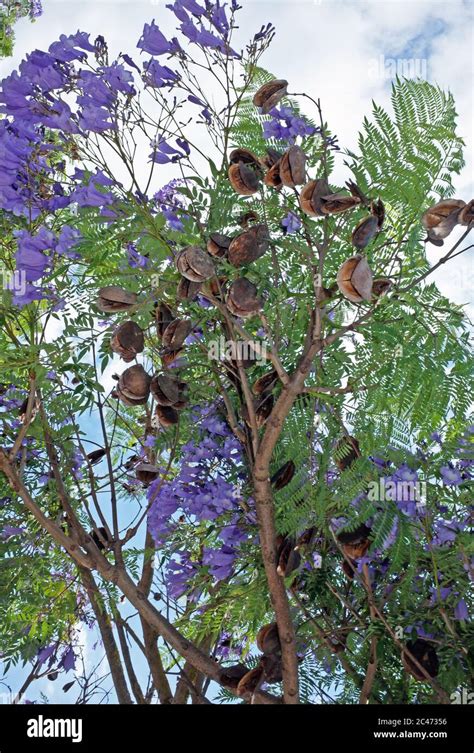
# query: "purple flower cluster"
286,125
171,205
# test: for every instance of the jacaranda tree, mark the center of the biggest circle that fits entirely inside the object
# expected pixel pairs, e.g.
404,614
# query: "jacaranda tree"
235,410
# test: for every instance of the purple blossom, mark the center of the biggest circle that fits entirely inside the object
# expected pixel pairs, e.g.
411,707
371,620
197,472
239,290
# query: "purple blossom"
153,40
9,531
285,125
29,257
45,653
68,660
291,223
461,611
135,258
157,75
451,476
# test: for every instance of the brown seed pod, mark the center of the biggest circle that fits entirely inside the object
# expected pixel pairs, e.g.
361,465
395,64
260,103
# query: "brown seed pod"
195,264
245,156
167,390
273,178
249,246
268,96
176,333
348,569
268,640
381,286
272,156
218,244
310,197
354,279
250,681
355,191
113,298
365,231
166,415
425,654
378,210
242,299
243,179
170,356
293,167
127,340
466,215
288,558
147,472
163,316
187,290
355,543
96,456
440,219
335,203
265,383
100,537
246,218
272,668
133,386
283,475
230,677
346,452
263,406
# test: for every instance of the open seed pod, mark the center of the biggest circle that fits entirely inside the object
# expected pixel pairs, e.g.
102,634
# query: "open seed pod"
168,390
466,215
187,290
113,298
272,669
246,218
195,264
176,333
378,210
348,569
346,452
163,316
311,195
250,681
365,231
440,219
100,537
272,176
283,475
96,455
242,299
230,677
355,191
265,383
355,543
170,356
335,203
127,340
243,179
271,158
147,472
288,557
268,640
381,286
134,386
166,415
249,246
268,96
425,654
292,167
354,279
245,156
218,244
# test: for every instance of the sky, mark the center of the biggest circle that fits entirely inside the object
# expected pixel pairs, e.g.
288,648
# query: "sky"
341,51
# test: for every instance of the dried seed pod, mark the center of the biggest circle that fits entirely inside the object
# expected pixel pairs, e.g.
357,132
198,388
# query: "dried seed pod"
166,415
249,246
348,569
335,203
293,167
440,219
346,452
170,356
355,543
243,179
113,298
263,408
268,640
354,279
195,264
127,340
283,475
466,215
355,191
268,96
250,681
272,156
246,218
147,472
311,195
381,286
96,456
288,558
242,299
378,210
176,333
305,538
265,383
134,383
187,290
163,316
245,156
100,537
165,389
365,231
230,677
273,178
425,654
272,668
218,244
